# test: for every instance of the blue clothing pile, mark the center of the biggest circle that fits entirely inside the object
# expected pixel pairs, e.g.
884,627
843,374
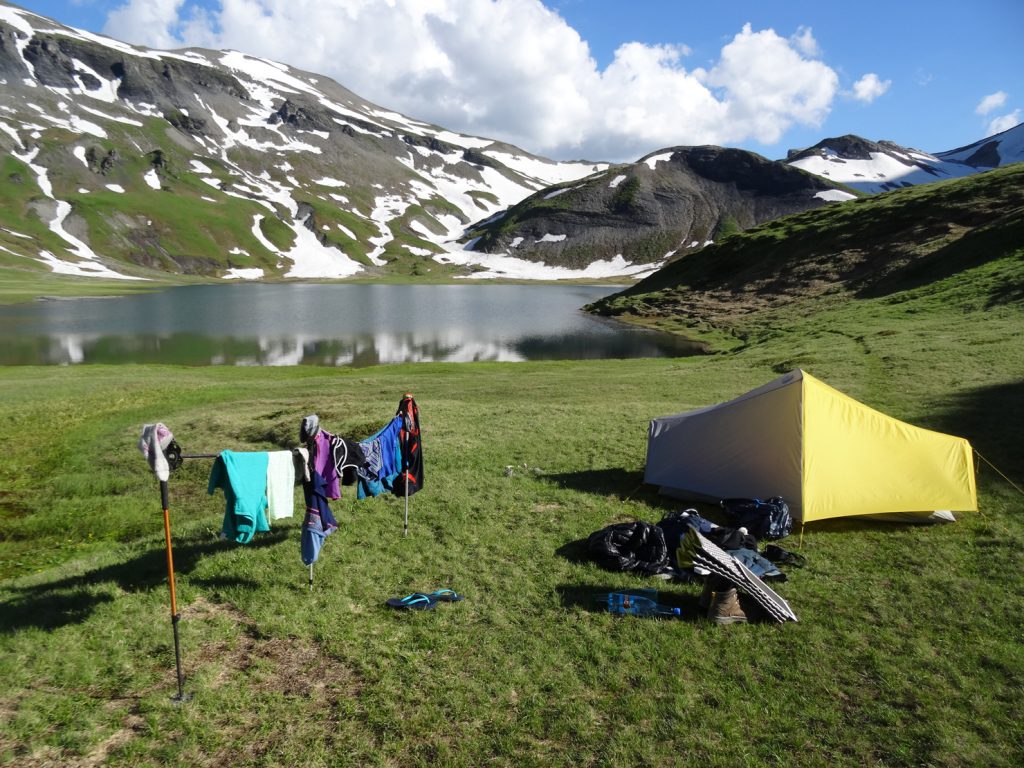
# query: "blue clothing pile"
384,456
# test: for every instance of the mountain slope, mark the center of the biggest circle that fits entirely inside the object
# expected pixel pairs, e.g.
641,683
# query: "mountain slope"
124,161
866,248
644,213
991,152
882,166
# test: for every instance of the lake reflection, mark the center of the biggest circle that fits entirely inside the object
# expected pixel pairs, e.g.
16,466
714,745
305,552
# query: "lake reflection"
330,325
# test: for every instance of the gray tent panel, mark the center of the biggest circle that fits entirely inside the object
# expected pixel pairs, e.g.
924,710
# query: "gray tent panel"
748,447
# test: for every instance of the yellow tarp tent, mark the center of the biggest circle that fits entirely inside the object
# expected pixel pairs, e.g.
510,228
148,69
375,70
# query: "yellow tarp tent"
825,453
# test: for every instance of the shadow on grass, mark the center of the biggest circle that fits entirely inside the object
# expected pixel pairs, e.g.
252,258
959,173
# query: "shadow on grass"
71,600
626,484
575,552
614,481
629,485
992,418
593,598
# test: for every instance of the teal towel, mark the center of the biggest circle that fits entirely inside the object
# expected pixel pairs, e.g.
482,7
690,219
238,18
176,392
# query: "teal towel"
243,478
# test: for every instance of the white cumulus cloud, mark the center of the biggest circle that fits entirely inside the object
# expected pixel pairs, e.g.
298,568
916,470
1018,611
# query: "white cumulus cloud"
1004,123
990,103
804,42
870,87
513,70
152,23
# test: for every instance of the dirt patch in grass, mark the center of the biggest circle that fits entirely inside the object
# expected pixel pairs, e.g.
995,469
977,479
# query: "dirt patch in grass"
271,669
287,666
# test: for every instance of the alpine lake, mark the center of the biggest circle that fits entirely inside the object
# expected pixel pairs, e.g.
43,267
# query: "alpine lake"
320,324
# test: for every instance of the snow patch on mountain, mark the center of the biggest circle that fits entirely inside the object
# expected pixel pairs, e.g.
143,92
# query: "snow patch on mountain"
239,273
105,116
992,151
834,195
310,258
89,266
653,160
257,232
503,266
545,172
882,171
458,139
107,89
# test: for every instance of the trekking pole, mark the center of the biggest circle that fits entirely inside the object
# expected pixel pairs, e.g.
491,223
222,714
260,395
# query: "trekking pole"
310,577
175,616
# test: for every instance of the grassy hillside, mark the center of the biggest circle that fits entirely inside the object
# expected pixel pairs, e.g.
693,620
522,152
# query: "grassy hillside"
929,239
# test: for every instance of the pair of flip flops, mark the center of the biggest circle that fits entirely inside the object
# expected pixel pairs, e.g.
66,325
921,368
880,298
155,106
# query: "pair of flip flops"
424,601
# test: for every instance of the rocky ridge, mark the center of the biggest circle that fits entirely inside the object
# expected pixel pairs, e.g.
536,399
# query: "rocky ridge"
645,213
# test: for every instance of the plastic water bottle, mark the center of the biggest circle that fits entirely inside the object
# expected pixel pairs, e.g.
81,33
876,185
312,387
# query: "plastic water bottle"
638,605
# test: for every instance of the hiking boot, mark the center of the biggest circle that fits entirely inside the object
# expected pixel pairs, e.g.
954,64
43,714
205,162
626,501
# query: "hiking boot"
725,607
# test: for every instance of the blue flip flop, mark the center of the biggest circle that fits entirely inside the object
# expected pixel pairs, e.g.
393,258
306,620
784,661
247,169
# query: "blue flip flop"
446,595
417,601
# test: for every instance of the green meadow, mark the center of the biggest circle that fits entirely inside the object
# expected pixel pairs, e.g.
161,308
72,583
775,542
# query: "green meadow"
909,650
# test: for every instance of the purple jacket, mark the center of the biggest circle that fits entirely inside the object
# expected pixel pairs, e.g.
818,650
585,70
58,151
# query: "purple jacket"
324,465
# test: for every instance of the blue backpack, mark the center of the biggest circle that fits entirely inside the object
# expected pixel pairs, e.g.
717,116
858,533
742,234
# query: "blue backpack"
763,518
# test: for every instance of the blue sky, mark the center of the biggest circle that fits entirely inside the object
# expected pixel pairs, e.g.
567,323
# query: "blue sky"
616,79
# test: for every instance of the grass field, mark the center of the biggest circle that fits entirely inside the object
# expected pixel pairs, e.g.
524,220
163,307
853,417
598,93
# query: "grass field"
908,651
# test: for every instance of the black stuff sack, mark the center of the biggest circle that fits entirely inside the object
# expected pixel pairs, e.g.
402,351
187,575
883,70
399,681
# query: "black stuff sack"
763,518
635,546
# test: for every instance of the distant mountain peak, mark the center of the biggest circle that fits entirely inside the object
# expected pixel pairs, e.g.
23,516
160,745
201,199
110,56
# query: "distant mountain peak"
880,166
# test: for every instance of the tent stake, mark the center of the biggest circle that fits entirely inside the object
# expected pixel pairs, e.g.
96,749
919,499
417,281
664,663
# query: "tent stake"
801,544
175,616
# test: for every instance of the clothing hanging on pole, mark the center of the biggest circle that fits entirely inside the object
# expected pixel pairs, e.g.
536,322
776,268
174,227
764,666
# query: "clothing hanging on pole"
243,478
384,460
411,444
319,522
280,485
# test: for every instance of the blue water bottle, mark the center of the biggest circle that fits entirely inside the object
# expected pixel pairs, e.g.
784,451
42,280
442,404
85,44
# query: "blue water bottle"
638,605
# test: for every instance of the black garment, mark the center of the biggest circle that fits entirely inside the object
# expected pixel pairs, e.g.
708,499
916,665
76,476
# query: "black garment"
409,442
635,546
674,526
348,458
730,538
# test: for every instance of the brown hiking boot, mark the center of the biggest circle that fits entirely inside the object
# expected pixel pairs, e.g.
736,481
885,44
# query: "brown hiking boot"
725,607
